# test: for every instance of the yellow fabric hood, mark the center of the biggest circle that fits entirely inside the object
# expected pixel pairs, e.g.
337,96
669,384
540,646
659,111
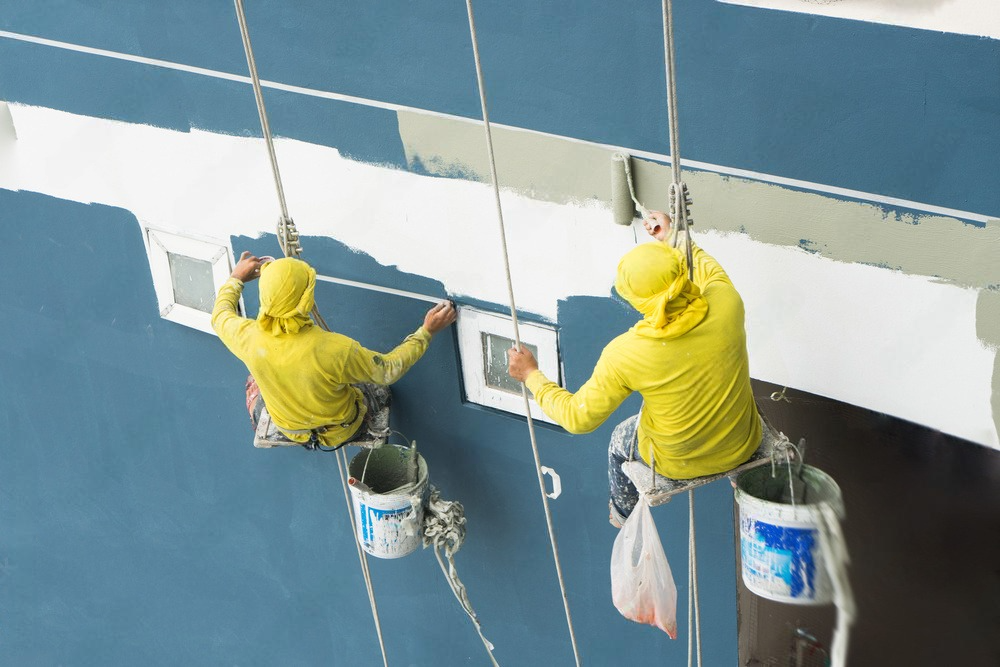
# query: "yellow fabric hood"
287,296
653,277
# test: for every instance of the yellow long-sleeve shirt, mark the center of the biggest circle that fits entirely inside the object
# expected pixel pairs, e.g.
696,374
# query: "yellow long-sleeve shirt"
698,414
306,377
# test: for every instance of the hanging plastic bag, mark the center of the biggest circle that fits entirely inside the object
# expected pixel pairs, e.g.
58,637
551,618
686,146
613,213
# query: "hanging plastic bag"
642,586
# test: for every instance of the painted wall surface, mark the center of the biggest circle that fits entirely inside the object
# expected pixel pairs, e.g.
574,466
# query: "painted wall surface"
970,17
141,527
843,173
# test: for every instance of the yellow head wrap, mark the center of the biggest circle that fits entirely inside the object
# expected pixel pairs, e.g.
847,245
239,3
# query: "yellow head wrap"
287,295
653,277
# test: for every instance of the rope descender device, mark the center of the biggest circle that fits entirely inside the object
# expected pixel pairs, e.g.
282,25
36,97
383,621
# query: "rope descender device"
288,237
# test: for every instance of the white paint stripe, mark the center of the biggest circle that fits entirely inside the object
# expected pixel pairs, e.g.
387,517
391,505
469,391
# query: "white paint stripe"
964,17
219,186
379,288
693,164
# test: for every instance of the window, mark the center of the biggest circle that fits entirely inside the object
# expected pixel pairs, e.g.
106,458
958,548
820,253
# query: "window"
483,341
187,274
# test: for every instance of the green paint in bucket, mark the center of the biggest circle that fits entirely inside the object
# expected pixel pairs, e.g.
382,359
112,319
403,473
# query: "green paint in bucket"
389,494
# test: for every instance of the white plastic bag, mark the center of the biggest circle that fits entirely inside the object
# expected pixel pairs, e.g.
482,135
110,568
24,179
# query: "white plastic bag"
642,586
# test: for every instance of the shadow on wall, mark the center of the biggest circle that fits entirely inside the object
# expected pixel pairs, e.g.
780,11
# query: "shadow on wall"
923,532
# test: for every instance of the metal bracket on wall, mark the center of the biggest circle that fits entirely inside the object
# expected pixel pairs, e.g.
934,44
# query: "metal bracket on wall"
556,482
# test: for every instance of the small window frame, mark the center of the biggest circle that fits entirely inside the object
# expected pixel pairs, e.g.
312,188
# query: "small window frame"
159,243
472,324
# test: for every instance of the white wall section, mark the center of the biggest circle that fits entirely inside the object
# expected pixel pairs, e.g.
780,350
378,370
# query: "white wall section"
852,332
967,17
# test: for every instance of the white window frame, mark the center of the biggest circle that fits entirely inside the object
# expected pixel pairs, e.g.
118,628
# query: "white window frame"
472,324
159,243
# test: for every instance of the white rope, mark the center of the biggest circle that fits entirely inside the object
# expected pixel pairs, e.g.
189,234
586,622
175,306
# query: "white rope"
693,601
679,200
679,203
444,530
362,556
513,314
834,549
261,111
288,239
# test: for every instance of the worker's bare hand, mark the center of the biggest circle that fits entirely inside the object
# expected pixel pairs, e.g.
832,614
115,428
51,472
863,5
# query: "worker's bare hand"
248,268
520,363
439,317
658,225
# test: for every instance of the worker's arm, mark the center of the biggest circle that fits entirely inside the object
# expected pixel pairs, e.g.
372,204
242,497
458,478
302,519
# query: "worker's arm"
706,269
225,313
364,365
581,412
226,320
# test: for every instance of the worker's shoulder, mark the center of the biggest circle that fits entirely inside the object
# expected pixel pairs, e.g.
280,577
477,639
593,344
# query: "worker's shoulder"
332,340
723,295
620,343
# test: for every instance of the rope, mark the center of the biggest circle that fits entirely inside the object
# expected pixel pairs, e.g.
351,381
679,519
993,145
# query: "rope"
679,197
261,111
362,557
679,203
288,238
444,529
513,315
834,549
693,583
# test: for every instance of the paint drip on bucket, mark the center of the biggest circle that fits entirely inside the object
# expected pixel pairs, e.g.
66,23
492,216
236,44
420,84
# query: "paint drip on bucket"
780,524
389,489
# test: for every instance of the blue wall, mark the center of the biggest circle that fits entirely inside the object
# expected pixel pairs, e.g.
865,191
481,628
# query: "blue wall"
141,527
894,111
137,523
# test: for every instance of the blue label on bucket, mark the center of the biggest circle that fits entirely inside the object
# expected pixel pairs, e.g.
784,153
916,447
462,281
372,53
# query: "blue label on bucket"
779,558
371,516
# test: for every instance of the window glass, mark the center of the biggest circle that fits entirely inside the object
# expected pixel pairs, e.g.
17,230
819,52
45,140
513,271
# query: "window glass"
192,281
495,362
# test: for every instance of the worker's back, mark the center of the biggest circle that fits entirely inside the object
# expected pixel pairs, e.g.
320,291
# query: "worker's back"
301,375
698,411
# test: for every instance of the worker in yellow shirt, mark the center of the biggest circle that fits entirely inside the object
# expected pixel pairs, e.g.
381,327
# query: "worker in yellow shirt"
688,359
320,387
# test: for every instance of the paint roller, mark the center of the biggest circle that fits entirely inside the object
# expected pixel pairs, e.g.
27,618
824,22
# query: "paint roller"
623,200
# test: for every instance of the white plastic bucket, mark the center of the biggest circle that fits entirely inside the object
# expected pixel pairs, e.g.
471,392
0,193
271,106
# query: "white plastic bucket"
389,493
780,547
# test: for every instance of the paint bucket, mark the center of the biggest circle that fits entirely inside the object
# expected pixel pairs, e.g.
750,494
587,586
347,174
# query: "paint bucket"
780,540
389,490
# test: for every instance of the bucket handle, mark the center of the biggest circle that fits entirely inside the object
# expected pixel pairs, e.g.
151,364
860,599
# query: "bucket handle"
556,482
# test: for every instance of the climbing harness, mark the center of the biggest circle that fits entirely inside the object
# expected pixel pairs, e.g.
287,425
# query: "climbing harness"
289,239
513,314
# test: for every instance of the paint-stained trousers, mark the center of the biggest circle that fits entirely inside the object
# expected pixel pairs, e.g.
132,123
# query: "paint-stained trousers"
376,397
624,495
